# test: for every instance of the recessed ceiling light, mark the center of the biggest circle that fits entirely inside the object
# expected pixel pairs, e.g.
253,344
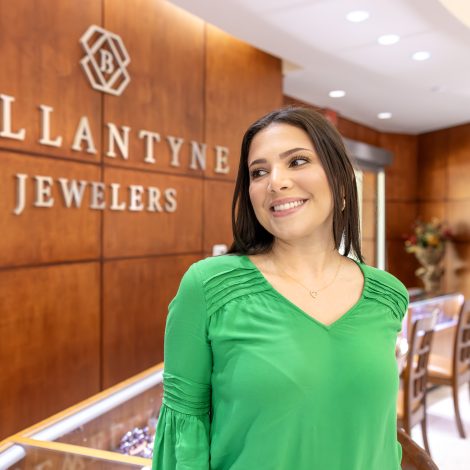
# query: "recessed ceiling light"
337,93
357,16
421,55
438,88
384,115
388,39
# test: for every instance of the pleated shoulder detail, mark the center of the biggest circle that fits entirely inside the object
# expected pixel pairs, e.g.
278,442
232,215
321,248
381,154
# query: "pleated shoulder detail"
227,278
386,289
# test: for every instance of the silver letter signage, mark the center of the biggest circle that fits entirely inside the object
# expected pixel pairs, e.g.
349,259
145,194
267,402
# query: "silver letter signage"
105,61
6,130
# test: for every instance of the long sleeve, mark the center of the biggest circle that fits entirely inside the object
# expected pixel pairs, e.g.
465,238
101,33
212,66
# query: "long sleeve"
183,429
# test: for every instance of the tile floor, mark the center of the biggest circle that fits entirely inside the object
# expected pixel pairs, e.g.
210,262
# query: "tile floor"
448,450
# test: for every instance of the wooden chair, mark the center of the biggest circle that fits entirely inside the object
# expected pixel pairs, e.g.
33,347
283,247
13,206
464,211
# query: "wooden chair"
414,457
411,406
454,371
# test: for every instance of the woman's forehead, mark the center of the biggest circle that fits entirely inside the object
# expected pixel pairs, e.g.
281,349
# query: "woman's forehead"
279,138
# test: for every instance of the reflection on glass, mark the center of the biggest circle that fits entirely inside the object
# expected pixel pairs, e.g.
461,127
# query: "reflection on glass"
38,458
109,431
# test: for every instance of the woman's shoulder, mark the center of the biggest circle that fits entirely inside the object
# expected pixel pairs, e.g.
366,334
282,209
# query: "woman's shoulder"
216,266
226,278
386,289
384,278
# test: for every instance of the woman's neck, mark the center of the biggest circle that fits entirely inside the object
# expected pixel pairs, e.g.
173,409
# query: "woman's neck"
305,260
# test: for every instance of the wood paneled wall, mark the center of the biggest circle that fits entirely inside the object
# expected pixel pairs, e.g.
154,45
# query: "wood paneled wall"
444,192
401,203
84,292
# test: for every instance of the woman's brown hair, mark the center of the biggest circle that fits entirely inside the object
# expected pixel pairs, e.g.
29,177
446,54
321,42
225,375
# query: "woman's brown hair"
250,237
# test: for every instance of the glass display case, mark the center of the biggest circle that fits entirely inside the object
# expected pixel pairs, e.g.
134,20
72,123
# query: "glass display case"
423,305
31,454
111,430
447,306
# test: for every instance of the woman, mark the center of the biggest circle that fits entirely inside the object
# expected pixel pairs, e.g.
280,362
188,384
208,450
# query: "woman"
281,355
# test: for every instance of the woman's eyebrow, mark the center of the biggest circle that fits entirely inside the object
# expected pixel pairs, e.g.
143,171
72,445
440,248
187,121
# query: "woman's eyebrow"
291,151
282,155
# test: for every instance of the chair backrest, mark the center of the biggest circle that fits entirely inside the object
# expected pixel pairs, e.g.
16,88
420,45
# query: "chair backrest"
415,373
461,362
452,305
414,457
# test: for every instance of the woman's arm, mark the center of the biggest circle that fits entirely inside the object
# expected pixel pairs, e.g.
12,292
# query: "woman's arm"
183,429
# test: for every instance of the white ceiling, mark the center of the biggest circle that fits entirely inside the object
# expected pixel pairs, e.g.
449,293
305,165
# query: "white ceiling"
328,53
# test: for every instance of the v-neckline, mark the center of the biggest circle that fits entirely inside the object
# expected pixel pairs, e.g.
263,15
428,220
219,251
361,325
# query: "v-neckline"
283,298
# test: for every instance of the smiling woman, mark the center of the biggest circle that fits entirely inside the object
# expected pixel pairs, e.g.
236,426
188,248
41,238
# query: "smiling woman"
311,148
281,355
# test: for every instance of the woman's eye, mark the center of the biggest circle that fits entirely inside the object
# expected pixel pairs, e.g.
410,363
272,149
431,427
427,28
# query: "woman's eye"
299,161
257,173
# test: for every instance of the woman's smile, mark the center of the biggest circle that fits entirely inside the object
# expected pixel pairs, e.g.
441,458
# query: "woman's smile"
287,206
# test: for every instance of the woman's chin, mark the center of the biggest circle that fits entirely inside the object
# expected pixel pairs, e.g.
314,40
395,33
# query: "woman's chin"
291,235
300,233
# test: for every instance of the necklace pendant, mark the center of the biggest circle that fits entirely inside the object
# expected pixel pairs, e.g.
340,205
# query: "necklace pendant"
313,294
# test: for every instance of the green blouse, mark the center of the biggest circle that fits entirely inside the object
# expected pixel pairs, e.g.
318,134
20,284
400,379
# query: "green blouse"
252,382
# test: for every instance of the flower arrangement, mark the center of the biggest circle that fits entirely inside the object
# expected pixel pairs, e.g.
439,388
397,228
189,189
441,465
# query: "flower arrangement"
433,234
427,243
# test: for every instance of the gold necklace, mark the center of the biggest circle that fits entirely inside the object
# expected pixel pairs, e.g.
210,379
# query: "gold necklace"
313,293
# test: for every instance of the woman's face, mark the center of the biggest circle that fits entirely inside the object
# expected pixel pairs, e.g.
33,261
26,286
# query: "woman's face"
289,189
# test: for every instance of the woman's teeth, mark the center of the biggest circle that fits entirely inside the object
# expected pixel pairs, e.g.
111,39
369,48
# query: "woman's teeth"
287,205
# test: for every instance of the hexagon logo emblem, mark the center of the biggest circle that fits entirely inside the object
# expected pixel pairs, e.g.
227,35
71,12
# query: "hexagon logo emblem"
105,61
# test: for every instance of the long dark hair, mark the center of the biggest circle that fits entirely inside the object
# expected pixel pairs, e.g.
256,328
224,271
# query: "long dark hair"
250,237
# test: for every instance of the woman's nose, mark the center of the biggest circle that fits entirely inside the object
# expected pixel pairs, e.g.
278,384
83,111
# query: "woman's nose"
278,180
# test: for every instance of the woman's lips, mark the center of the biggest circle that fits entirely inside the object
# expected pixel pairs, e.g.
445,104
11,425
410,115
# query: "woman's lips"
287,208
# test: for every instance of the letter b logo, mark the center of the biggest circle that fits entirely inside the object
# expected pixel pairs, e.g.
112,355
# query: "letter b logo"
105,61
